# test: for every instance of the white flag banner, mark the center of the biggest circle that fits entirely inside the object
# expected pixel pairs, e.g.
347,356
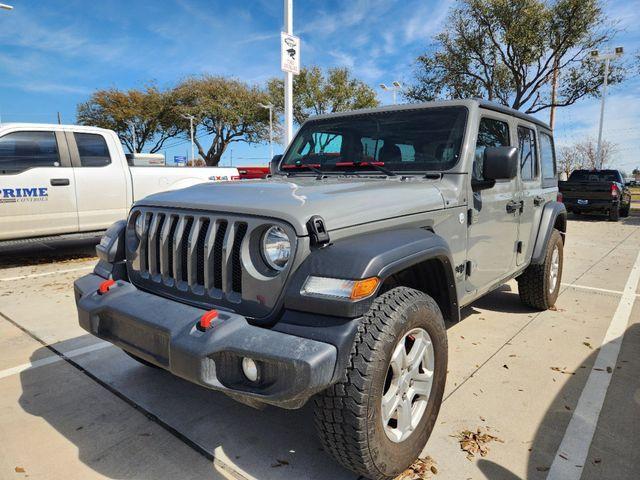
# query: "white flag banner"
290,53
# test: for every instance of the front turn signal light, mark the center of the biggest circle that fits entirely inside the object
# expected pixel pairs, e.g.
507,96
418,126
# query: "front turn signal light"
340,288
364,288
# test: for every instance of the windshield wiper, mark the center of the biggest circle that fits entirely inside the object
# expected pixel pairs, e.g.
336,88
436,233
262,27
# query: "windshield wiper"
375,165
313,167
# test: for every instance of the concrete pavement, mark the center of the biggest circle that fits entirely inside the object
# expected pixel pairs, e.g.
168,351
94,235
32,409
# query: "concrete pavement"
519,373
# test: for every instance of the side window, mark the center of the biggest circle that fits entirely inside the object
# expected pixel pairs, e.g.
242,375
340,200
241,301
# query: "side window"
20,151
92,149
547,156
491,133
528,154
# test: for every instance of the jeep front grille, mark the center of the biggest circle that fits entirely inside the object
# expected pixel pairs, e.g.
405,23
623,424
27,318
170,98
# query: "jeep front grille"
204,259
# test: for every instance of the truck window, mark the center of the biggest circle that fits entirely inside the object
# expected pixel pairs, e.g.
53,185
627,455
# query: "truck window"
92,149
528,155
20,151
547,156
491,133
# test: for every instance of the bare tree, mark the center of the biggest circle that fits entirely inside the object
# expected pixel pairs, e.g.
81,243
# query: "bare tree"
583,155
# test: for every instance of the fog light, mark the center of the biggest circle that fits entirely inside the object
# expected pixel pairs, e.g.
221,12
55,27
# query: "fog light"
250,369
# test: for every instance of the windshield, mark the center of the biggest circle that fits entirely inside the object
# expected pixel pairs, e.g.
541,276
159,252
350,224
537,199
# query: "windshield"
595,176
426,139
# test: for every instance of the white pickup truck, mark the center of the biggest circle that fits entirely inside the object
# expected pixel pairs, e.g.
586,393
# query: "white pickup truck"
68,179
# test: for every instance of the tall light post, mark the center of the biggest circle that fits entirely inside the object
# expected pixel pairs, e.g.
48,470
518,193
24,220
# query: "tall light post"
269,107
394,88
191,118
288,78
606,57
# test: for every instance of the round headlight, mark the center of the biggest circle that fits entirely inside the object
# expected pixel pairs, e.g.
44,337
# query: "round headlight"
139,226
276,248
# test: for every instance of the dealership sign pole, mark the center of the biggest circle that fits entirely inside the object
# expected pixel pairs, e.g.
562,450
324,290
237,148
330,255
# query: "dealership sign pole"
290,64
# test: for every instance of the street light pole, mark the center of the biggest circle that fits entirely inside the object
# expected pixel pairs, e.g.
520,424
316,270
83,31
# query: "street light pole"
394,88
270,108
288,78
190,118
607,57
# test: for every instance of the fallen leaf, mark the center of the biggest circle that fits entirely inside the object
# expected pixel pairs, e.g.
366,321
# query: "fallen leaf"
609,370
20,470
419,470
587,344
542,469
475,442
505,366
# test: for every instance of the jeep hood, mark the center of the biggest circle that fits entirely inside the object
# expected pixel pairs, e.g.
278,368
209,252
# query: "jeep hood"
341,202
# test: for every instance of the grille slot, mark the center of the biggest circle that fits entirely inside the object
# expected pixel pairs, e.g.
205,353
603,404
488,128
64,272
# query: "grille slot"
217,255
236,282
200,251
184,254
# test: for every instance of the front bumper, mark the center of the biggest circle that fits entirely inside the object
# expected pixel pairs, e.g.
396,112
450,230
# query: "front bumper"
164,332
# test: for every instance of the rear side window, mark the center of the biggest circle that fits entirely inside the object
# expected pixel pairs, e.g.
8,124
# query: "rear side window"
21,151
92,149
528,155
547,156
491,133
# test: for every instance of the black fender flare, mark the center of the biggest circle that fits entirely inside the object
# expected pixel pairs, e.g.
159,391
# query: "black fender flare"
554,214
378,254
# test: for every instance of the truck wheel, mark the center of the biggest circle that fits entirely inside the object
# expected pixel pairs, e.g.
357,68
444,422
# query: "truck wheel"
377,419
539,285
614,214
624,212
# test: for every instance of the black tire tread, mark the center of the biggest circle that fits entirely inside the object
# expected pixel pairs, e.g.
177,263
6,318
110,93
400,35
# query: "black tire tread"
340,413
531,283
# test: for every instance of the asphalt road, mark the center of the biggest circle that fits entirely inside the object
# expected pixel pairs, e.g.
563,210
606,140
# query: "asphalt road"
558,390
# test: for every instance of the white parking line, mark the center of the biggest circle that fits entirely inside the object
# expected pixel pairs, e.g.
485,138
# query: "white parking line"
52,359
574,448
595,289
36,275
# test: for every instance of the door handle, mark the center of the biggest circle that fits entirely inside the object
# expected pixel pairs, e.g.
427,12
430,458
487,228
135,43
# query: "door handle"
538,200
512,206
59,182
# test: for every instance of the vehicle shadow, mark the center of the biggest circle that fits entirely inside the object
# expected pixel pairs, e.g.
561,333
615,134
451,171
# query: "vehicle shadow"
38,253
505,299
613,452
266,444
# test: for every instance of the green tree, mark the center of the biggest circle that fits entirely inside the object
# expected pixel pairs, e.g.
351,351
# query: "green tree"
139,117
316,93
510,50
225,111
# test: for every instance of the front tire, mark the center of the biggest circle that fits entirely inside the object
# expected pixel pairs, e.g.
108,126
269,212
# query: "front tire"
377,419
539,285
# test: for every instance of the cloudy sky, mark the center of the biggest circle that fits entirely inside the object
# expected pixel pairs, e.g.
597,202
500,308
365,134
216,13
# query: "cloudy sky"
53,54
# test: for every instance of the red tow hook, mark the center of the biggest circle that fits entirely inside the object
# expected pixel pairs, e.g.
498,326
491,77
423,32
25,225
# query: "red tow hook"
206,319
105,286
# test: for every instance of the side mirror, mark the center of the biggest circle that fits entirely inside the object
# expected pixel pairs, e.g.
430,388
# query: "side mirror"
500,163
274,164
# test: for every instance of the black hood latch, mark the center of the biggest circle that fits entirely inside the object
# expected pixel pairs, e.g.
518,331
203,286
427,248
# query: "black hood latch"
318,231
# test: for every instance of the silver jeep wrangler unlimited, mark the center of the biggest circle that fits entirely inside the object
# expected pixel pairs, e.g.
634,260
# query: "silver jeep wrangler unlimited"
334,277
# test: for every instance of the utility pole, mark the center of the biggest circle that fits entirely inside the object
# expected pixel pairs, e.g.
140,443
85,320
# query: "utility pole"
554,88
607,57
59,119
191,118
288,78
269,106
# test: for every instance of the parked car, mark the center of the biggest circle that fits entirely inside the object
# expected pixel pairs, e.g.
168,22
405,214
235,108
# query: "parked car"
334,278
597,191
57,179
251,173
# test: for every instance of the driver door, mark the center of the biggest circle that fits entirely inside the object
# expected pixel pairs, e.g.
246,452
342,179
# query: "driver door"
493,230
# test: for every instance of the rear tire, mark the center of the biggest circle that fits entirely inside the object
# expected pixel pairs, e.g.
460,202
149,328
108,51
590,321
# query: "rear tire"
614,214
539,285
624,212
355,417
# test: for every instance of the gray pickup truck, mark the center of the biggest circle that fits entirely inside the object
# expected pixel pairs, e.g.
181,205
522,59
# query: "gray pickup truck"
334,277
